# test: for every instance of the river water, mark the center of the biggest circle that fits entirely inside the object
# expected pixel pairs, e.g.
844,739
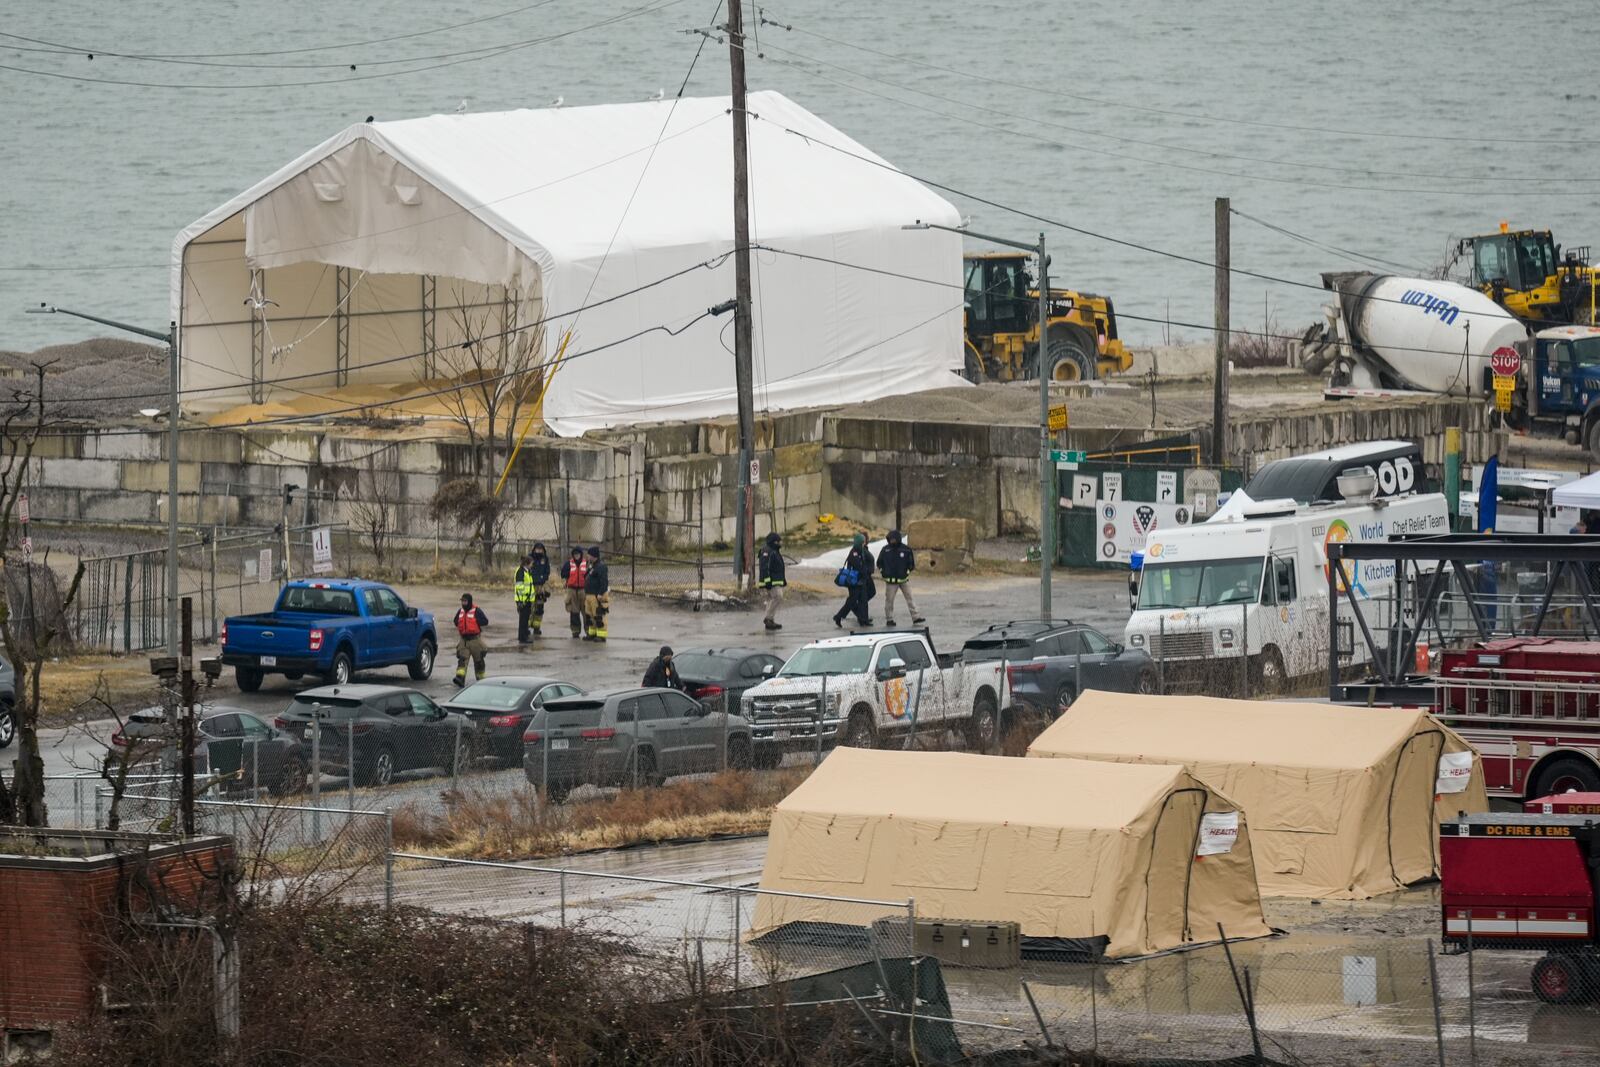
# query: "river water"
1376,128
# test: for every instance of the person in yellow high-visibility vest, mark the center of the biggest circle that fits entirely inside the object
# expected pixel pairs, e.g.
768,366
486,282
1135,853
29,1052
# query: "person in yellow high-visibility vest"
523,594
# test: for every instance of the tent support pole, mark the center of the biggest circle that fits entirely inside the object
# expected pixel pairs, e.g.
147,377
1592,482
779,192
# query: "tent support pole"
341,326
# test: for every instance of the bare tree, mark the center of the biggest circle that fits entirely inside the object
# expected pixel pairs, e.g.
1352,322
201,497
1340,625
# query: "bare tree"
22,423
496,371
371,508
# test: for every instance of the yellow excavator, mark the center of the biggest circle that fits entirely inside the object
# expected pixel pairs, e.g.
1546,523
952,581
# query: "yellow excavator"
1528,274
1002,326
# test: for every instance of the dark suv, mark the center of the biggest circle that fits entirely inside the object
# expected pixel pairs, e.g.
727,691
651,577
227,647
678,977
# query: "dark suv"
1044,658
629,736
393,730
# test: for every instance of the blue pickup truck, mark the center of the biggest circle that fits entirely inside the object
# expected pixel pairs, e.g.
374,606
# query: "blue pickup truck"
333,628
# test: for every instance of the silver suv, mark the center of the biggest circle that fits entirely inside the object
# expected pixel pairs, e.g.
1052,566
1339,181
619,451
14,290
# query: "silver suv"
629,737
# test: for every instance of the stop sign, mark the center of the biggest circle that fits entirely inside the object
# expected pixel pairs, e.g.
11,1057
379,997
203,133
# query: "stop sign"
1505,361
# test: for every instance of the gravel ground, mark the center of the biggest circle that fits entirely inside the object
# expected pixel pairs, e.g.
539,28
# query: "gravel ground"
104,379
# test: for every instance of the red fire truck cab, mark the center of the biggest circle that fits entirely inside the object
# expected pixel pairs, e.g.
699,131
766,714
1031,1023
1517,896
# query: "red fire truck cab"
1531,707
1529,881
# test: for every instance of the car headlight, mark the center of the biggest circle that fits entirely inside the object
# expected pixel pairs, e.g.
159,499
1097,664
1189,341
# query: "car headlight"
1136,640
747,705
1226,635
833,704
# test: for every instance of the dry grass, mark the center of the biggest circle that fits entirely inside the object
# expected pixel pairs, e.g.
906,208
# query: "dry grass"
521,826
73,687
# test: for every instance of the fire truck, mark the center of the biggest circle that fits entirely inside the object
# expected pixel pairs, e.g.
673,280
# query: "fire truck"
1529,881
1531,707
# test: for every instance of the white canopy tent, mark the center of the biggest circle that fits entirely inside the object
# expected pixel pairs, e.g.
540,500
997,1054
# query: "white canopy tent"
393,239
1584,493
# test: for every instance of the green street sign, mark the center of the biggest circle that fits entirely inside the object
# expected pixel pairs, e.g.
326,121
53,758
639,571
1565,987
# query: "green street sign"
1061,456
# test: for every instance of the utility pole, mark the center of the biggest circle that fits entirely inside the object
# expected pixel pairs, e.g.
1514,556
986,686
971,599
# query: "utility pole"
1047,470
743,335
170,339
283,524
1219,395
186,721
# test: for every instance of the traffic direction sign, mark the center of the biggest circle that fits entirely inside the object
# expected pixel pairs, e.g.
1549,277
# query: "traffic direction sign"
1505,361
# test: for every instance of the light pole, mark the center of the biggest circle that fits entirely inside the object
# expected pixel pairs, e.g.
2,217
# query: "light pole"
1047,489
170,339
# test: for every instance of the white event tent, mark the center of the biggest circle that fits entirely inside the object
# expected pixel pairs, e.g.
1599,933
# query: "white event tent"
351,265
1582,493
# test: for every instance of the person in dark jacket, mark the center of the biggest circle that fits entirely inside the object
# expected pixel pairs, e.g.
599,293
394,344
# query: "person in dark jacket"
895,563
575,575
859,559
539,562
661,674
770,577
597,595
470,623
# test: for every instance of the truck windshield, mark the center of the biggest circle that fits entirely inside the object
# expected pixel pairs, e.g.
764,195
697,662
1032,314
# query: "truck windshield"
1201,584
1586,351
852,659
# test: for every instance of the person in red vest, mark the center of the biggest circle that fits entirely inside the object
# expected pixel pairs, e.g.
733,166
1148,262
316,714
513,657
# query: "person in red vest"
575,573
470,624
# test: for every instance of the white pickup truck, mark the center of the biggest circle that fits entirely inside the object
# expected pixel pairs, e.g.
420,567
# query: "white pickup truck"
864,689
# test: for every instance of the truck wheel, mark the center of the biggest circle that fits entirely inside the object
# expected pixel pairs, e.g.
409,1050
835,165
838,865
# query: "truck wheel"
8,725
1147,683
767,757
1567,775
645,770
984,726
342,669
1268,675
972,367
739,753
247,678
291,779
859,734
557,792
1557,980
1070,356
421,667
1591,438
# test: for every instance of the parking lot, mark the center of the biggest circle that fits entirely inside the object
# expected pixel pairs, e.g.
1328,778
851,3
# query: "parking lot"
956,606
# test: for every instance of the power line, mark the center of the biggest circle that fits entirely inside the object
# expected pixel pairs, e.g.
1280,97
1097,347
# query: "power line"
1034,138
1173,147
500,50
1189,116
1353,256
308,48
811,139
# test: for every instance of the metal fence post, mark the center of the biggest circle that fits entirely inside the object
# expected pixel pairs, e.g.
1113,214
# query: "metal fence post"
77,802
737,923
316,778
822,710
1244,648
1161,657
916,706
455,760
1433,983
725,730
388,860
99,817
350,768
563,898
215,630
1472,1005
255,768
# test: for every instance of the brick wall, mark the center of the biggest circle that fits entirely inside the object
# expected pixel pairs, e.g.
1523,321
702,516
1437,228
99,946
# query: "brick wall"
55,913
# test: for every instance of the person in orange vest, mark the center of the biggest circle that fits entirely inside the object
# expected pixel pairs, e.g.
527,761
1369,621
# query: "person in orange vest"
575,573
470,624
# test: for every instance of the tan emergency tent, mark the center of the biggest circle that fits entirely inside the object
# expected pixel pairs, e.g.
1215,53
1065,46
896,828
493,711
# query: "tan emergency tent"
1073,851
1344,802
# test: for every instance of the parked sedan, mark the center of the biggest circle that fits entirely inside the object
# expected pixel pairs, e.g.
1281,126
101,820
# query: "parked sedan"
629,736
501,708
718,677
230,741
1044,658
393,730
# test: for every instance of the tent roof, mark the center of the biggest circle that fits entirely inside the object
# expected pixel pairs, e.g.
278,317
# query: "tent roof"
1583,493
1196,729
969,788
566,184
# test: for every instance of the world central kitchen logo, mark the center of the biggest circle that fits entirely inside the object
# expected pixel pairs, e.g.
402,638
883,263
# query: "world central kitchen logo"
1339,531
1432,305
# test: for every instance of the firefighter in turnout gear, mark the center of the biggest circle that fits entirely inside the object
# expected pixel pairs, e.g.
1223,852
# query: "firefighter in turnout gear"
539,571
470,624
597,600
575,573
895,564
770,577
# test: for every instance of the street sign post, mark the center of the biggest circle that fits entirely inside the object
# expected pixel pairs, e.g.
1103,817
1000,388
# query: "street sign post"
22,508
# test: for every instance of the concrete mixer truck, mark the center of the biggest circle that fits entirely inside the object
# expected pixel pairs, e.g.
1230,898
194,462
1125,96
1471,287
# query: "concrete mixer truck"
1386,335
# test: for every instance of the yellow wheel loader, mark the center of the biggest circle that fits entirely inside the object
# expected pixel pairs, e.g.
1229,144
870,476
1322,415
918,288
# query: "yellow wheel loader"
1528,274
1002,326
